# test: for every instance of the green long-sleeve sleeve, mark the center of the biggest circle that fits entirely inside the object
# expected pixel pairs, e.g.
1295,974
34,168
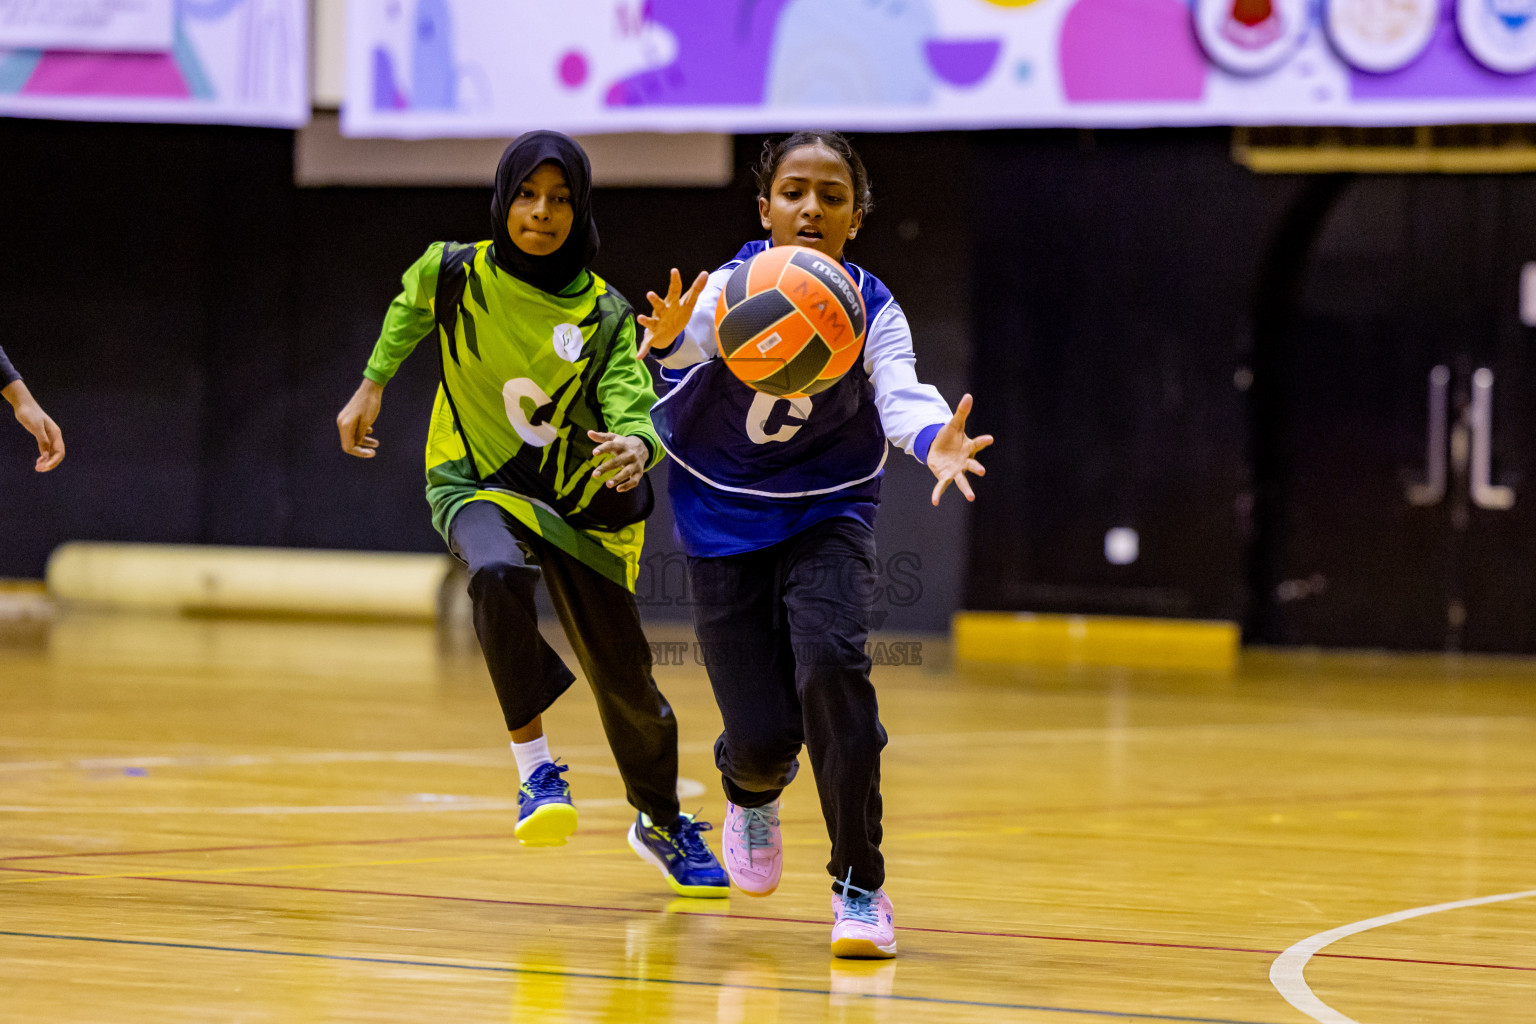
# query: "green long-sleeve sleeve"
626,393
410,318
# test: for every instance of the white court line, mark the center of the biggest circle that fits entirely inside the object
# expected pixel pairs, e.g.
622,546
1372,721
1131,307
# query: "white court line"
462,758
437,806
419,803
477,758
1184,733
1286,972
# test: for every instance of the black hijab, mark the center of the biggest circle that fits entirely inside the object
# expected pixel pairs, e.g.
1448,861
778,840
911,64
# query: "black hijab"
554,272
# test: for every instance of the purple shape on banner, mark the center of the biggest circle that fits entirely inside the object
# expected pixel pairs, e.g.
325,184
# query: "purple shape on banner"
386,87
963,62
1444,69
1131,51
138,75
722,55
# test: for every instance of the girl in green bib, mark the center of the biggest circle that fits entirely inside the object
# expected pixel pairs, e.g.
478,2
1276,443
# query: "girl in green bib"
536,460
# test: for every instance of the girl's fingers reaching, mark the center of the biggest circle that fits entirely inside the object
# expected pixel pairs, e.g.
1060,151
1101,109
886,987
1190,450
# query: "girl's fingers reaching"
957,477
669,314
978,443
695,289
647,339
961,412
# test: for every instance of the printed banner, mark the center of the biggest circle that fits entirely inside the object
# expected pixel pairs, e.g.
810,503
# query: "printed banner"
497,67
227,62
88,24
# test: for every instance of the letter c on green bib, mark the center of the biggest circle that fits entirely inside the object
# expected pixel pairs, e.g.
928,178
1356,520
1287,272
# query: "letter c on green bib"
516,392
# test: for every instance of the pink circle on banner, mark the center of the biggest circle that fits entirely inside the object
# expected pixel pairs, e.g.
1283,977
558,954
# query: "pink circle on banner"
573,69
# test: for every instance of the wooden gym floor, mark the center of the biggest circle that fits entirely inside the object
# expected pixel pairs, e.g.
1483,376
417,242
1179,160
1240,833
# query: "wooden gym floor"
207,820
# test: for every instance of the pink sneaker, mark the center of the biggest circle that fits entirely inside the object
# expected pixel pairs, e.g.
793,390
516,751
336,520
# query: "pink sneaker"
863,925
754,851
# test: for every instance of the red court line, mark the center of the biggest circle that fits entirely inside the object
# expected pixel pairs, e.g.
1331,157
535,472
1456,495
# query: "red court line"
258,846
599,908
1165,805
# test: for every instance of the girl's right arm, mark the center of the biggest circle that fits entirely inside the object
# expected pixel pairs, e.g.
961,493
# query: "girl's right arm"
410,319
691,337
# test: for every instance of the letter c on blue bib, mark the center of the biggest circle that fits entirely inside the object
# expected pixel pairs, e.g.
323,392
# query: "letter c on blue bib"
763,410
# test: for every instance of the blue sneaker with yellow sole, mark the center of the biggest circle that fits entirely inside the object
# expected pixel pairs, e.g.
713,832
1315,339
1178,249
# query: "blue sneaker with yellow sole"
685,859
545,816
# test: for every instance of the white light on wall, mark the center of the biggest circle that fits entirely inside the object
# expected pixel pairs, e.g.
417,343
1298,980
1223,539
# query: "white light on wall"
1528,295
1122,545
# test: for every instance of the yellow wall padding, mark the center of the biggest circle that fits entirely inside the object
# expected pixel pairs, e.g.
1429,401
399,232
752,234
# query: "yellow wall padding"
1025,639
230,580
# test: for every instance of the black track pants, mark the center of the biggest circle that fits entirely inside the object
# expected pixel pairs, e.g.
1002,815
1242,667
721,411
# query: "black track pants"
602,623
784,631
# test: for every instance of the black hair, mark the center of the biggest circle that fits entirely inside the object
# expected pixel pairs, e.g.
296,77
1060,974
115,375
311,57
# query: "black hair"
775,152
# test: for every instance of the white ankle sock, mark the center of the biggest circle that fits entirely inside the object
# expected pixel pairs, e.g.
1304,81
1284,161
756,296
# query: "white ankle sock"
530,755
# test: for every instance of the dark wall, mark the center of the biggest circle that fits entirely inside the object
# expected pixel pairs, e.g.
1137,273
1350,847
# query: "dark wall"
147,296
1232,365
1116,281
193,322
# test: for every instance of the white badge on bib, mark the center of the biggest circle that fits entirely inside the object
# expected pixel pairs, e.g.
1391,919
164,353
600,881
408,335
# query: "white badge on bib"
568,342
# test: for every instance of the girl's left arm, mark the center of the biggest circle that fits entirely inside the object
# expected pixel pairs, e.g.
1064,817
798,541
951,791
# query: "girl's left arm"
910,411
630,446
914,415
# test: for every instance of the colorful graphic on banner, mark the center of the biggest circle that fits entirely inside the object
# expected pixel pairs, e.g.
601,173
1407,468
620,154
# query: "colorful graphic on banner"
1251,37
1500,33
472,68
1130,51
229,62
1381,36
88,24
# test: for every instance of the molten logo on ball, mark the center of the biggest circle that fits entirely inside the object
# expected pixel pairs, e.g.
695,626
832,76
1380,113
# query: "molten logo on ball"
790,322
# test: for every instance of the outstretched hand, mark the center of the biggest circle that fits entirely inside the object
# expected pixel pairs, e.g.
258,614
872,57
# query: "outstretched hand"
951,455
669,315
355,421
621,460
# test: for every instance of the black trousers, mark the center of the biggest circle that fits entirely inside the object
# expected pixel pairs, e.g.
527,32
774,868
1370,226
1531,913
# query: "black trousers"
505,560
783,632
